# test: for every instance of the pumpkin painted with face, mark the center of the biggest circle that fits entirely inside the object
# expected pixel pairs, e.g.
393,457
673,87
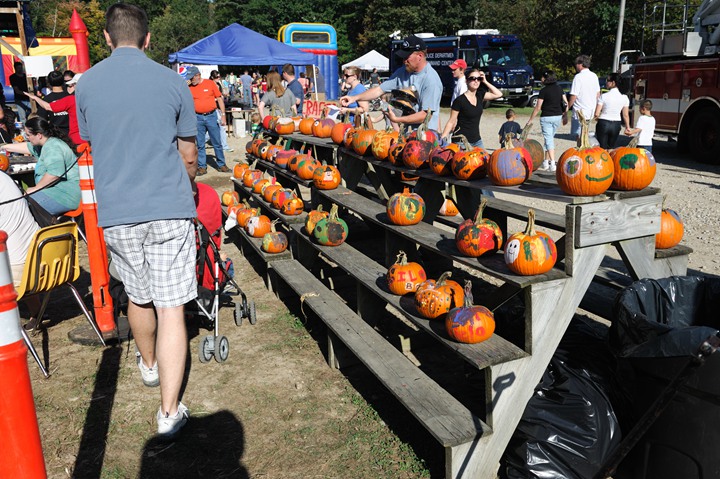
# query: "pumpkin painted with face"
323,128
634,167
469,323
331,231
405,208
257,226
478,236
436,298
510,166
404,277
326,177
585,170
530,252
448,208
293,206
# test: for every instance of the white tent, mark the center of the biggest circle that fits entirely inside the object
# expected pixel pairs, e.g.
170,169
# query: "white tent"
369,61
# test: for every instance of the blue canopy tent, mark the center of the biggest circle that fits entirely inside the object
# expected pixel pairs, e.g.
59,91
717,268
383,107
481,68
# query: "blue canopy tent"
237,45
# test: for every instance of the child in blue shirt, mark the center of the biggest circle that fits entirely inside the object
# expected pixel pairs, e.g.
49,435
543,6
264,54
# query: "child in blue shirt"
510,126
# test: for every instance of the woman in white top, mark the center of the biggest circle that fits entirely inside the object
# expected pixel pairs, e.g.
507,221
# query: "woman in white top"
611,114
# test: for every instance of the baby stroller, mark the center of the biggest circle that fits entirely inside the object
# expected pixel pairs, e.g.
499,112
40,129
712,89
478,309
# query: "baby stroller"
209,301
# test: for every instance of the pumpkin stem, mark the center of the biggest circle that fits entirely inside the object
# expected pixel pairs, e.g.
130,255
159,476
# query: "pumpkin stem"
478,214
333,212
633,143
584,132
272,225
466,143
468,294
525,132
401,258
530,228
443,278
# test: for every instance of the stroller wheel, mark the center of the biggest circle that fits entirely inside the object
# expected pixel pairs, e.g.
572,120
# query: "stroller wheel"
222,350
205,349
251,312
238,314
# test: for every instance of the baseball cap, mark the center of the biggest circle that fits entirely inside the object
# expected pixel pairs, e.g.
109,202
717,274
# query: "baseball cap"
409,46
459,63
191,72
74,79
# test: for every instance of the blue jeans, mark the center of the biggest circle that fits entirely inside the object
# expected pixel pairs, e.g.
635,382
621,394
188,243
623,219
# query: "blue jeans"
247,97
49,204
478,143
646,147
23,109
549,125
209,123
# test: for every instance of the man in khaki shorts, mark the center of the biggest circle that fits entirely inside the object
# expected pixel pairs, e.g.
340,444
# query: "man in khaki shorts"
144,156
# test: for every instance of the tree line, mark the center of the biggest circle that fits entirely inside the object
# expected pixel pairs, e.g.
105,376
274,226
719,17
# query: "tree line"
553,32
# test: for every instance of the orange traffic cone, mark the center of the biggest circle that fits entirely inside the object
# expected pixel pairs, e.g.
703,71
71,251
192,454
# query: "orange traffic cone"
22,455
97,252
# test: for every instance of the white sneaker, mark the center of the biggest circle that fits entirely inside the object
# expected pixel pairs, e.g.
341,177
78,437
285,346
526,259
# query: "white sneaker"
150,376
169,426
545,165
553,166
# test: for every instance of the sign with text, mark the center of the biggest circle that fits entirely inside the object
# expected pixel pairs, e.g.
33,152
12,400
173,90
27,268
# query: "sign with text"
314,108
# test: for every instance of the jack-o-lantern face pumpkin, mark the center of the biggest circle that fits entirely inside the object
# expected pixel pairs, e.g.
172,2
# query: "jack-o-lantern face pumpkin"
530,252
258,226
586,170
326,177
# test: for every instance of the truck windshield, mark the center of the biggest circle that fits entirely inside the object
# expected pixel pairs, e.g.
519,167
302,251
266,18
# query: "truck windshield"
504,56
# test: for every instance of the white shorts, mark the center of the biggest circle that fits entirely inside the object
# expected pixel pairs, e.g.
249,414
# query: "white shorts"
156,261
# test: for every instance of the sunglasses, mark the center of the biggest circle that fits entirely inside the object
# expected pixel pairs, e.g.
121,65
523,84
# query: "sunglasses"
474,78
348,76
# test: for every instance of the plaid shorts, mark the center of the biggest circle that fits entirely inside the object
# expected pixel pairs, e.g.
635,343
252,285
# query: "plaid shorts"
155,260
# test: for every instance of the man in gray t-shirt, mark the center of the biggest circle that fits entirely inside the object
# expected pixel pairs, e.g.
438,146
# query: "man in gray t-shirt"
140,120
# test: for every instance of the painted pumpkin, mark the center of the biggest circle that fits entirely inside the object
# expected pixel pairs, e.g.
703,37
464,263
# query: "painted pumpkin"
323,128
585,170
326,177
405,208
331,231
396,149
470,163
441,159
292,206
313,217
285,126
306,125
238,170
436,298
416,153
229,197
258,186
275,241
510,166
362,140
672,230
250,177
258,226
337,134
294,162
245,214
530,252
404,277
469,323
634,168
282,157
534,147
280,197
271,151
307,167
382,142
448,208
270,190
423,133
235,209
478,236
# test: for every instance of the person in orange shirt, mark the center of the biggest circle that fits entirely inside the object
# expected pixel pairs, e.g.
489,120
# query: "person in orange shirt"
207,99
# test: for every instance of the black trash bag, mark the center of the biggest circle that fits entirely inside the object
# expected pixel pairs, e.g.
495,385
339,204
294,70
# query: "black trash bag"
569,426
664,318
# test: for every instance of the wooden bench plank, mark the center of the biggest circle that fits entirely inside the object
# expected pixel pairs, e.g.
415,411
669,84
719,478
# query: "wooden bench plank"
440,413
435,239
256,245
275,170
372,275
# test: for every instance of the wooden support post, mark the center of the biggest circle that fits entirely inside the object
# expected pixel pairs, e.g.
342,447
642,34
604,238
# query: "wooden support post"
433,192
369,306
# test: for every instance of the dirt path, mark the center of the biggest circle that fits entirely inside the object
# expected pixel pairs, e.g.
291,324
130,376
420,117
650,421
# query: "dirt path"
274,409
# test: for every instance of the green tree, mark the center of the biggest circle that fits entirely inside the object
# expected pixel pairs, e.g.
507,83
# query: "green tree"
182,23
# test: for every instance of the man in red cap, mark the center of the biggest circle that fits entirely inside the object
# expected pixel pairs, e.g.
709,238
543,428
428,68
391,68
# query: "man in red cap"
458,68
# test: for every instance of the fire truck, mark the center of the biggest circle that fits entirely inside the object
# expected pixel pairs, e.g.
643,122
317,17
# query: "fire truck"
682,79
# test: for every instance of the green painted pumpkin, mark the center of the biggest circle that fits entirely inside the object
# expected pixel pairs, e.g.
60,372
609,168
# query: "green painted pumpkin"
331,231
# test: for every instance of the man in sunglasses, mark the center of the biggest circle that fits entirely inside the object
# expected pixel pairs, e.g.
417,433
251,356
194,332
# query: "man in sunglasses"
415,72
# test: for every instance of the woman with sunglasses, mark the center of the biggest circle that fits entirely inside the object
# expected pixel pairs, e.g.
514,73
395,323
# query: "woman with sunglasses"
467,109
352,79
611,113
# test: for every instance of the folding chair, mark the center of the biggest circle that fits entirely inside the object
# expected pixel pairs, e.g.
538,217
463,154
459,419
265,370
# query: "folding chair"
52,262
76,216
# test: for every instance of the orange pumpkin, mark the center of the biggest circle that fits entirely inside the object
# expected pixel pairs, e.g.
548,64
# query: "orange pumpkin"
441,159
280,197
396,149
306,125
229,197
313,217
436,298
270,152
475,237
469,323
405,208
307,167
245,214
285,126
404,277
270,189
530,252
382,142
239,169
448,208
470,163
337,134
510,166
586,170
258,186
283,156
250,177
416,153
274,241
294,162
424,133
671,230
326,177
235,209
537,153
323,128
292,206
258,226
362,139
634,168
